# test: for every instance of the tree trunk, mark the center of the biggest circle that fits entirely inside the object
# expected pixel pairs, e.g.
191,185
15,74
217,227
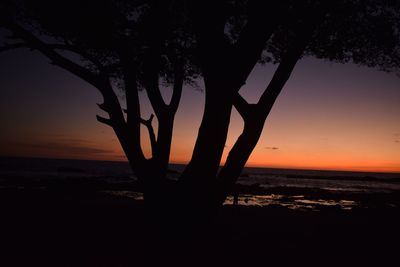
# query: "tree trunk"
238,156
163,147
254,116
197,183
211,140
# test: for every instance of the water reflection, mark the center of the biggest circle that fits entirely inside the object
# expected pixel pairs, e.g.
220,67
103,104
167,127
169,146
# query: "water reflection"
291,202
297,202
125,193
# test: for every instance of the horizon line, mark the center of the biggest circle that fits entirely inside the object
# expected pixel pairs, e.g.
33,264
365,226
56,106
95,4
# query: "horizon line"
246,166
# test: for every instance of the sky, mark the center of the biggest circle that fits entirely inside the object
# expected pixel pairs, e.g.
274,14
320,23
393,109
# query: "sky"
328,116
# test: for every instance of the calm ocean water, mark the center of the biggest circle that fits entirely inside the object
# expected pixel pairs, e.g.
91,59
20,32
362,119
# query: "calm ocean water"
264,177
300,183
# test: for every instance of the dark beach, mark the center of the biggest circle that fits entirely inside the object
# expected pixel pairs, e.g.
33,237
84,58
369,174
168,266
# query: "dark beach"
84,222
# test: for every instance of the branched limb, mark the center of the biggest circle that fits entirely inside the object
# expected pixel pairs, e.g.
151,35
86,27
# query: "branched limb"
130,141
178,84
80,52
104,120
34,42
153,141
104,107
129,72
241,105
100,81
254,116
151,80
251,41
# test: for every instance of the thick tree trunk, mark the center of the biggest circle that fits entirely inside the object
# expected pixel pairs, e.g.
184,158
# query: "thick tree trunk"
211,139
163,145
197,183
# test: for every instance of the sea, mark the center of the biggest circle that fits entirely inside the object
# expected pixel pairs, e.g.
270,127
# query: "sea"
346,182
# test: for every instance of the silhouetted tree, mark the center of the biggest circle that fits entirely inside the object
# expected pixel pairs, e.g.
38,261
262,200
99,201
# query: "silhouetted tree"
135,44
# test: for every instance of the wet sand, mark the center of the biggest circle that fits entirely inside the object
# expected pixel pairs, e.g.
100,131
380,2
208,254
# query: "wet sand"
85,225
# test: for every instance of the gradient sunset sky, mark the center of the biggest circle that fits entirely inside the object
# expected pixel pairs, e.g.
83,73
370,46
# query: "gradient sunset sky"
329,116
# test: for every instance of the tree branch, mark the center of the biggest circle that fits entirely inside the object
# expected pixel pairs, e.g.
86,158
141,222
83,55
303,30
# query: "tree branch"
254,123
104,121
241,105
178,84
130,140
252,39
80,52
279,79
155,97
112,106
151,81
100,81
153,141
129,72
212,45
103,107
287,64
35,43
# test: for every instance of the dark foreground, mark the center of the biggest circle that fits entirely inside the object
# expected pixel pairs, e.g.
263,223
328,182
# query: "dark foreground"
41,227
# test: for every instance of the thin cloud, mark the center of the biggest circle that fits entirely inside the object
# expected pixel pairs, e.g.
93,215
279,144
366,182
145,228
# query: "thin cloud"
73,146
397,137
272,147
